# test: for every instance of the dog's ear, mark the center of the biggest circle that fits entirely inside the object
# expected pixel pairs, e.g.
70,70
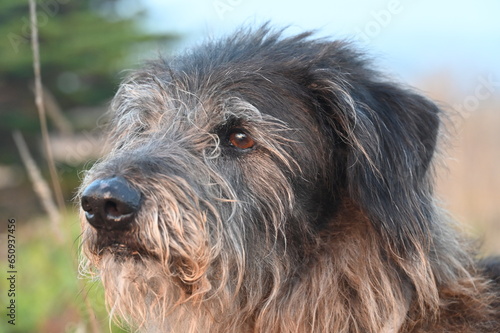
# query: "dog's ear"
389,136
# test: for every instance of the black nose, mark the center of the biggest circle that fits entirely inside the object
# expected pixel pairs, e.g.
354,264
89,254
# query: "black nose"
110,203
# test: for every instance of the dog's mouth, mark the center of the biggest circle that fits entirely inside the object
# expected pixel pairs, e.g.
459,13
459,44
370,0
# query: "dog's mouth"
121,250
120,246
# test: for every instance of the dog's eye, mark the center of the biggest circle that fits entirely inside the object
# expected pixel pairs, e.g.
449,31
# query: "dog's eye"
240,140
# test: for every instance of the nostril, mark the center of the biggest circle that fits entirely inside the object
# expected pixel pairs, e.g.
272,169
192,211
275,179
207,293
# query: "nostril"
86,205
111,209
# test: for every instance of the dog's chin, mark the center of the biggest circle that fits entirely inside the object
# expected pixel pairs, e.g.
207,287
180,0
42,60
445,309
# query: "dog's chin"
121,251
119,248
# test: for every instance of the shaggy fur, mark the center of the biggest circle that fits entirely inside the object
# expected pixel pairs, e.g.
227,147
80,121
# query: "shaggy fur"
325,222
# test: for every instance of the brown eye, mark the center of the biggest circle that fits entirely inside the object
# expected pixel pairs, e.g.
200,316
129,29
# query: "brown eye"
241,140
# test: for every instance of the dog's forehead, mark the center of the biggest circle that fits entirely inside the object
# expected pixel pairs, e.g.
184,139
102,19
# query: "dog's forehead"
169,95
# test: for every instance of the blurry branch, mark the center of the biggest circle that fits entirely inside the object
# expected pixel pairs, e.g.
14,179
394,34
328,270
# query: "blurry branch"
40,186
55,113
40,106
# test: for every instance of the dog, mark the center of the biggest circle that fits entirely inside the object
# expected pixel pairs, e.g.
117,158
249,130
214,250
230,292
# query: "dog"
265,183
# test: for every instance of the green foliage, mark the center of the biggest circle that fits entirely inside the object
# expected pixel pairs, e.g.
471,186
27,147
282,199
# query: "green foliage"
74,36
83,45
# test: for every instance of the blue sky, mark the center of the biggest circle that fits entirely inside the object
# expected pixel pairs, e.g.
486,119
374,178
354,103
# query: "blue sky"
411,38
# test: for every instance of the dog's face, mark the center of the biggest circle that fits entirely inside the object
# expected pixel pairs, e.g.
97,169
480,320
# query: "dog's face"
229,163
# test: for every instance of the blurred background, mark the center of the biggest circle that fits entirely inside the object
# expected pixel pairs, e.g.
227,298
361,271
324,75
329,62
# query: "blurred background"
448,50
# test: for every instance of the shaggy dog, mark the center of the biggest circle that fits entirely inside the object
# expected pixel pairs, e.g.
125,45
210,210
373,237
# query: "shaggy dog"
275,184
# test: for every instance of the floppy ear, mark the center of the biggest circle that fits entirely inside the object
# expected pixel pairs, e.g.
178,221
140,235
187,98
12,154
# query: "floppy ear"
390,137
394,139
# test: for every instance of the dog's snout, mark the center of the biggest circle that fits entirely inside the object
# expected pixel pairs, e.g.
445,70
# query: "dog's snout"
110,203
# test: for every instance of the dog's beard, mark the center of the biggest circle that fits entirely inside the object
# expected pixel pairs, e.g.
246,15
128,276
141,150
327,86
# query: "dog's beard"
142,292
137,291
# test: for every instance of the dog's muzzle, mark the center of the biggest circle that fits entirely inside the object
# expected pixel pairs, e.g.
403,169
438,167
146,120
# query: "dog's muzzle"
110,204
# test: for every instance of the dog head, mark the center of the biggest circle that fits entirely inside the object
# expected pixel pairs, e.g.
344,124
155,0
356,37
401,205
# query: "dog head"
229,163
